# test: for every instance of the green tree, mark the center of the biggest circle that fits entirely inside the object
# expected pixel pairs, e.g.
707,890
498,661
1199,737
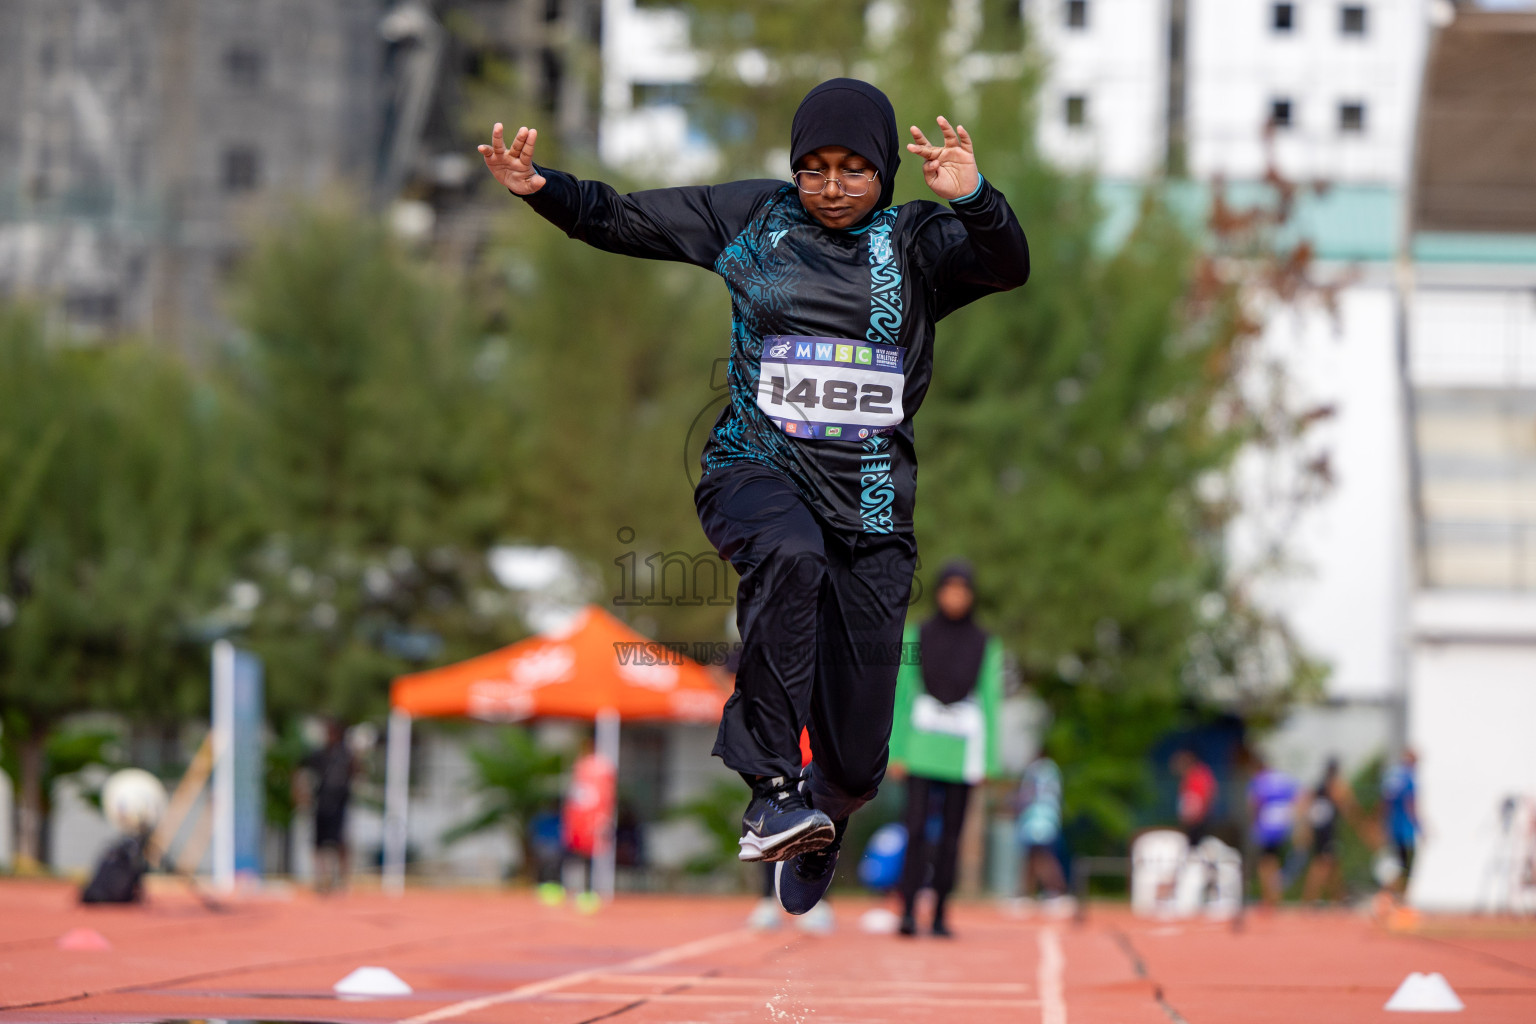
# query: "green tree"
372,491
611,374
608,401
112,540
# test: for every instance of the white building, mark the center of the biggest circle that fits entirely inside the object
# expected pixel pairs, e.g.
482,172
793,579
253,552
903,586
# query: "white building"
1471,335
1419,571
1104,101
648,72
1339,82
1134,86
1328,91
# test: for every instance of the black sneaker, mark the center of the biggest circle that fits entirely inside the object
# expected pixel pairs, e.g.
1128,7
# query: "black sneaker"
778,824
803,881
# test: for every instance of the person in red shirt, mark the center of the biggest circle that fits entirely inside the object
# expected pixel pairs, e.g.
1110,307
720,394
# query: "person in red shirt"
586,815
1197,794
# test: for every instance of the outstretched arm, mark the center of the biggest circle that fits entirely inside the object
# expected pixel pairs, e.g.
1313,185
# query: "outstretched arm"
689,225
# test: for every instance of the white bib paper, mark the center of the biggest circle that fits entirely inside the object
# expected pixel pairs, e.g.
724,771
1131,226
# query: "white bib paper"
963,720
830,387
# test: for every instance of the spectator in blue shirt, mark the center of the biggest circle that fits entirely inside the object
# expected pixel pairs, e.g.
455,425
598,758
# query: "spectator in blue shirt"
1271,812
1400,807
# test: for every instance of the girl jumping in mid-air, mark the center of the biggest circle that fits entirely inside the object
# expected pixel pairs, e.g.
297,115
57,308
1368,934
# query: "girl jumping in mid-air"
810,471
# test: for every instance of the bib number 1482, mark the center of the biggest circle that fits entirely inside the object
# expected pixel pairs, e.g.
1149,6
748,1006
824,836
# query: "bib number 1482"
838,395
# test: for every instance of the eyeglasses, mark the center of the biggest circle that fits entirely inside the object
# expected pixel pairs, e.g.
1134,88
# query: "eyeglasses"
853,183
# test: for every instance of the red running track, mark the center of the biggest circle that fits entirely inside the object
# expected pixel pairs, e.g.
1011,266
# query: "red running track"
489,957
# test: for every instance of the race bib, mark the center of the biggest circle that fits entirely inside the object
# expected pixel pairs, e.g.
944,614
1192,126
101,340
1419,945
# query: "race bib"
830,387
962,719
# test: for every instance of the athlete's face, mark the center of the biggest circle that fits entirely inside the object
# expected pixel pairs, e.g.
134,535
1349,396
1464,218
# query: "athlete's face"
833,207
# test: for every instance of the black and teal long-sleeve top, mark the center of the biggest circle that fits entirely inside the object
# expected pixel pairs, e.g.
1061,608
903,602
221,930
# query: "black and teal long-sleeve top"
831,330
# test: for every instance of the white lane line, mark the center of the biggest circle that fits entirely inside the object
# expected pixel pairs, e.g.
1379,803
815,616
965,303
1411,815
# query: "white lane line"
948,1002
885,985
1053,963
672,954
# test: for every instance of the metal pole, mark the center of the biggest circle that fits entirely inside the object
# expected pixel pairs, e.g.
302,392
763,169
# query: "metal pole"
605,858
397,797
223,793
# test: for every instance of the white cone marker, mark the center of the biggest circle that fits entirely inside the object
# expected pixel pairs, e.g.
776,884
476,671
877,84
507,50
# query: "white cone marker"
372,981
1425,993
879,921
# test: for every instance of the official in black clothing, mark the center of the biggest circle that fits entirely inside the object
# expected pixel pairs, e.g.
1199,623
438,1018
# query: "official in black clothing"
810,471
331,769
945,737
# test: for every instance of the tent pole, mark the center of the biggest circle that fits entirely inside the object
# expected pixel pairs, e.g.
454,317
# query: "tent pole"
397,796
605,863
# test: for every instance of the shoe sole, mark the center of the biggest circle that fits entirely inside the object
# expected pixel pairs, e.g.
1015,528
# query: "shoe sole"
778,890
781,846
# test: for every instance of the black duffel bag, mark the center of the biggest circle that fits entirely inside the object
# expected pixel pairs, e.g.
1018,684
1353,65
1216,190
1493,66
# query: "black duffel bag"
119,877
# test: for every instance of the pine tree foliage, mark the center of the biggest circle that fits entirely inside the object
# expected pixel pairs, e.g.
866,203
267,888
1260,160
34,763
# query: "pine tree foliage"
113,528
611,384
374,488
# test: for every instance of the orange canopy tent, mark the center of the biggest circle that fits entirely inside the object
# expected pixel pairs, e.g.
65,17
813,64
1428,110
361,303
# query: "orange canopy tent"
595,664
595,668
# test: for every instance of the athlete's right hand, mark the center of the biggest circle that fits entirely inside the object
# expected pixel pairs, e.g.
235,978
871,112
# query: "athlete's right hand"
513,165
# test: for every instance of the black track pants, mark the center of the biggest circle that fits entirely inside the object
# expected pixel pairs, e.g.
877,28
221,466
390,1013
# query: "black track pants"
926,797
821,617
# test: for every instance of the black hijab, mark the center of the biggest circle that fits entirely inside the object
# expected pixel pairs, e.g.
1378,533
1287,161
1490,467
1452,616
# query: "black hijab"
848,112
952,649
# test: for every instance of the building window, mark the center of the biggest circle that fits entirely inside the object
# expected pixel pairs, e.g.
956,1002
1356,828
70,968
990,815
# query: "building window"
1283,17
1076,110
1352,20
242,169
95,309
1077,13
1352,118
243,67
1280,113
1471,443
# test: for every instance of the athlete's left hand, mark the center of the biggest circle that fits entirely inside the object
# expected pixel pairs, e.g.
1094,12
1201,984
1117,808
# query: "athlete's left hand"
950,169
